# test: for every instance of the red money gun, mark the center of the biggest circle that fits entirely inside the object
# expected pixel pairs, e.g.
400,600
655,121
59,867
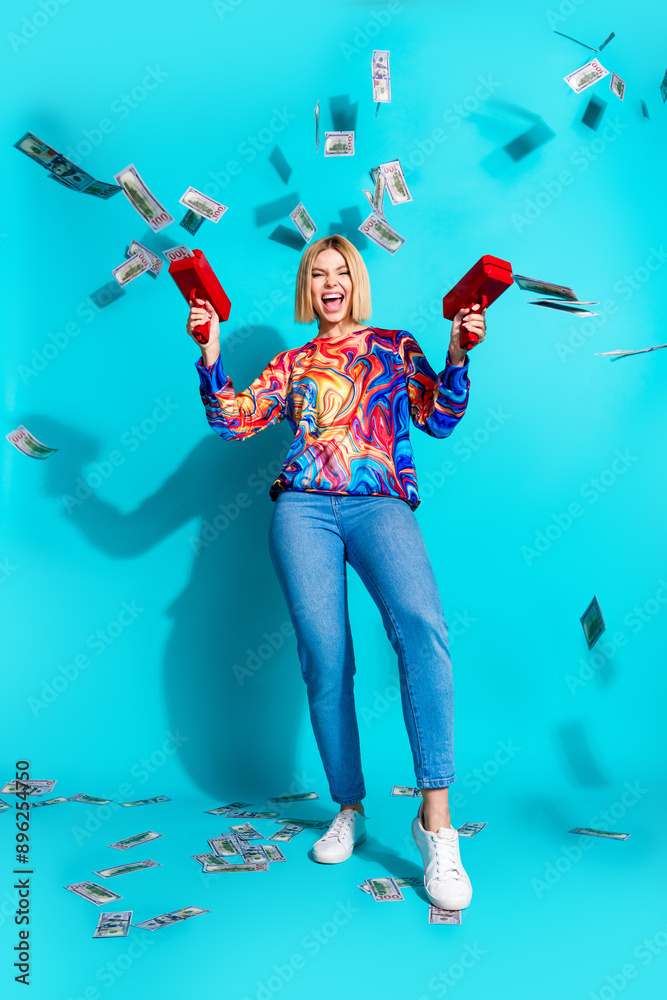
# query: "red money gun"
196,279
483,284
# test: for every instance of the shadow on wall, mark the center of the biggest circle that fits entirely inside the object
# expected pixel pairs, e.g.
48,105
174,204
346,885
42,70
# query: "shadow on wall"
242,732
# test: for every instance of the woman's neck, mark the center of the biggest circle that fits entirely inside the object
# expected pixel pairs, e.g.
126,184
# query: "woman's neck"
334,331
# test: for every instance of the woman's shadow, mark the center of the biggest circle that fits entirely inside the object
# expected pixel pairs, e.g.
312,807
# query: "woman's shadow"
232,683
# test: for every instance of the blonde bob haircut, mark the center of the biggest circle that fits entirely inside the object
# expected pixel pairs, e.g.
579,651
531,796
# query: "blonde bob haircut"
361,287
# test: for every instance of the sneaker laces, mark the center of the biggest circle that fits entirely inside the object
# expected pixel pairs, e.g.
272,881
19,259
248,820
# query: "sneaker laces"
336,828
445,856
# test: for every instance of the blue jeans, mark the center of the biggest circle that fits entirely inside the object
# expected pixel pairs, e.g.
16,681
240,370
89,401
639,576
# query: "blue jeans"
311,539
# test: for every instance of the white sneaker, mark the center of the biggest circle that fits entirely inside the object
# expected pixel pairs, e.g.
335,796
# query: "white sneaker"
346,831
445,880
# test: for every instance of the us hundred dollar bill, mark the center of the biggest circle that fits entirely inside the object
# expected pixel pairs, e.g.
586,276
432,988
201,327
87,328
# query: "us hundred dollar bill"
381,76
200,203
382,233
303,222
142,199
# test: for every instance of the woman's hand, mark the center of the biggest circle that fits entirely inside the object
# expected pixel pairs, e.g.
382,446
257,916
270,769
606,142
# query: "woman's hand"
472,319
201,311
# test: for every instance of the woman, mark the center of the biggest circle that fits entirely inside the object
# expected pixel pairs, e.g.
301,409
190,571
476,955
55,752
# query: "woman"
347,494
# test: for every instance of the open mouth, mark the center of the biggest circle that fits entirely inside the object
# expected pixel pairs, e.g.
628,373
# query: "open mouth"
332,301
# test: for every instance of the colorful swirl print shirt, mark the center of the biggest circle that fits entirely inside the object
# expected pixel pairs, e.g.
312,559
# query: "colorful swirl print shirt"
349,402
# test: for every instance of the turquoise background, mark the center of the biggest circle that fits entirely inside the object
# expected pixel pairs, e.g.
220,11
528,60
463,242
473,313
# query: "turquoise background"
548,734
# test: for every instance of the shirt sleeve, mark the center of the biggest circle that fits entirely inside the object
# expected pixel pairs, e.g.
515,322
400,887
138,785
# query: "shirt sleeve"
239,415
437,402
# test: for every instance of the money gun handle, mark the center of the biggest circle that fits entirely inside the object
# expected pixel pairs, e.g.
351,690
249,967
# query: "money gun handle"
200,333
468,338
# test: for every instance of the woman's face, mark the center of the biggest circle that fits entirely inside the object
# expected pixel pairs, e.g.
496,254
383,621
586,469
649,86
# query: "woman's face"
331,286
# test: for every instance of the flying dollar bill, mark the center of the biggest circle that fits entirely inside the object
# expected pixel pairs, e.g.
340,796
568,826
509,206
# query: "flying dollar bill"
173,917
471,829
177,253
273,853
288,832
560,305
49,802
146,802
397,187
221,810
587,831
379,231
317,126
303,222
544,287
37,786
384,890
299,797
137,866
209,859
586,76
191,222
404,791
59,166
409,882
132,268
200,203
27,444
339,143
93,892
253,853
617,85
136,840
592,622
617,355
102,189
381,77
111,925
91,800
308,824
438,916
244,831
224,846
220,868
139,196
156,263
